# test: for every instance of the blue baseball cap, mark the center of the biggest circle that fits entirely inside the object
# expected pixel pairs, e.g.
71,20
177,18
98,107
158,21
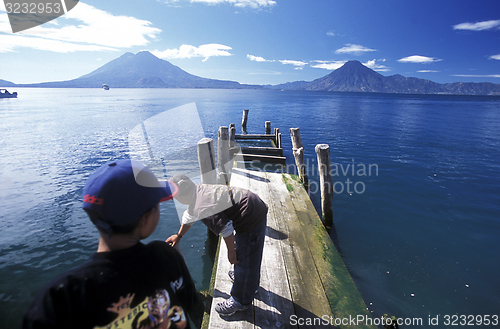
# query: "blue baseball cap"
122,191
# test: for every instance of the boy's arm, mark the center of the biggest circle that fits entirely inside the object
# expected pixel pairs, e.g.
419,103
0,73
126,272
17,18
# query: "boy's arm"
176,238
231,251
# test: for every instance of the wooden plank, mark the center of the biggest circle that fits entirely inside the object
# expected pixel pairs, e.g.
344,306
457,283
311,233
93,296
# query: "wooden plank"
209,302
273,303
262,150
344,297
261,158
302,273
308,296
222,291
255,136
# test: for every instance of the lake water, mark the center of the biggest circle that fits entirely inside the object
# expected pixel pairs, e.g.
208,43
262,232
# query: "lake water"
418,228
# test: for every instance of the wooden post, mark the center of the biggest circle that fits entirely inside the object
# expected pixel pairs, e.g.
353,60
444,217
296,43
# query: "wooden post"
268,127
298,153
244,120
276,133
206,160
233,149
326,183
278,139
232,136
296,139
223,156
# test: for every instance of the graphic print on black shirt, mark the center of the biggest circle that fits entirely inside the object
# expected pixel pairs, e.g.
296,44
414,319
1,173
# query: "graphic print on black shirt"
153,312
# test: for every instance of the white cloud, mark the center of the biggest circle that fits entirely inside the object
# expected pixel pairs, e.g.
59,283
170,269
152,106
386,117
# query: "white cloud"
419,59
9,43
353,49
187,51
4,20
427,71
172,3
333,65
93,30
299,64
330,34
237,3
497,57
376,67
258,59
328,65
479,26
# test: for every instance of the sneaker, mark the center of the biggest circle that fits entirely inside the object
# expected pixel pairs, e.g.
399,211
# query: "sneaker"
229,307
231,276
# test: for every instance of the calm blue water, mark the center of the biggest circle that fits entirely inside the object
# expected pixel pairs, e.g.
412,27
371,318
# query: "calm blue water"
419,232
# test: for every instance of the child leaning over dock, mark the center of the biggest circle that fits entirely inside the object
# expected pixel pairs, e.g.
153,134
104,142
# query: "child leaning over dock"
224,210
126,284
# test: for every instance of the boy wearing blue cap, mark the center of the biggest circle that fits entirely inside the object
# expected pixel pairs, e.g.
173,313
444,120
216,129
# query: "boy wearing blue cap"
126,284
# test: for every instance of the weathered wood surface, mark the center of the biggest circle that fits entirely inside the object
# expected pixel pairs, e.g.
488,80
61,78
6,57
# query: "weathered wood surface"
206,161
302,274
344,297
262,150
325,183
255,136
244,119
223,155
298,154
261,158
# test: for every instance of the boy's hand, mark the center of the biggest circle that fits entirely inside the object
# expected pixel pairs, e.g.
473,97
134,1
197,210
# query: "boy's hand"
231,249
231,256
173,240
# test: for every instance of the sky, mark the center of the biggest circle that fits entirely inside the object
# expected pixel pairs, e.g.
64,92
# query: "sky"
263,41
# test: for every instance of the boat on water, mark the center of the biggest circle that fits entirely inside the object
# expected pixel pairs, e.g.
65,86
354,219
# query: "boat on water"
4,93
105,87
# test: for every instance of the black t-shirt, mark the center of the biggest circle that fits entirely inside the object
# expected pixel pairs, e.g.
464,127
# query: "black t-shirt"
145,286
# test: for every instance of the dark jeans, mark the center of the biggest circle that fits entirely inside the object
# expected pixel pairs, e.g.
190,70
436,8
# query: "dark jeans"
249,247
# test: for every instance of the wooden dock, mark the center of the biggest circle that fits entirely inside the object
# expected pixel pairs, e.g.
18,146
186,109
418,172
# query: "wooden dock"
272,154
304,283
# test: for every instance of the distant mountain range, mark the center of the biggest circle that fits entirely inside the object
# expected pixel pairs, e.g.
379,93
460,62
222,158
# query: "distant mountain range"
355,77
5,83
144,70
